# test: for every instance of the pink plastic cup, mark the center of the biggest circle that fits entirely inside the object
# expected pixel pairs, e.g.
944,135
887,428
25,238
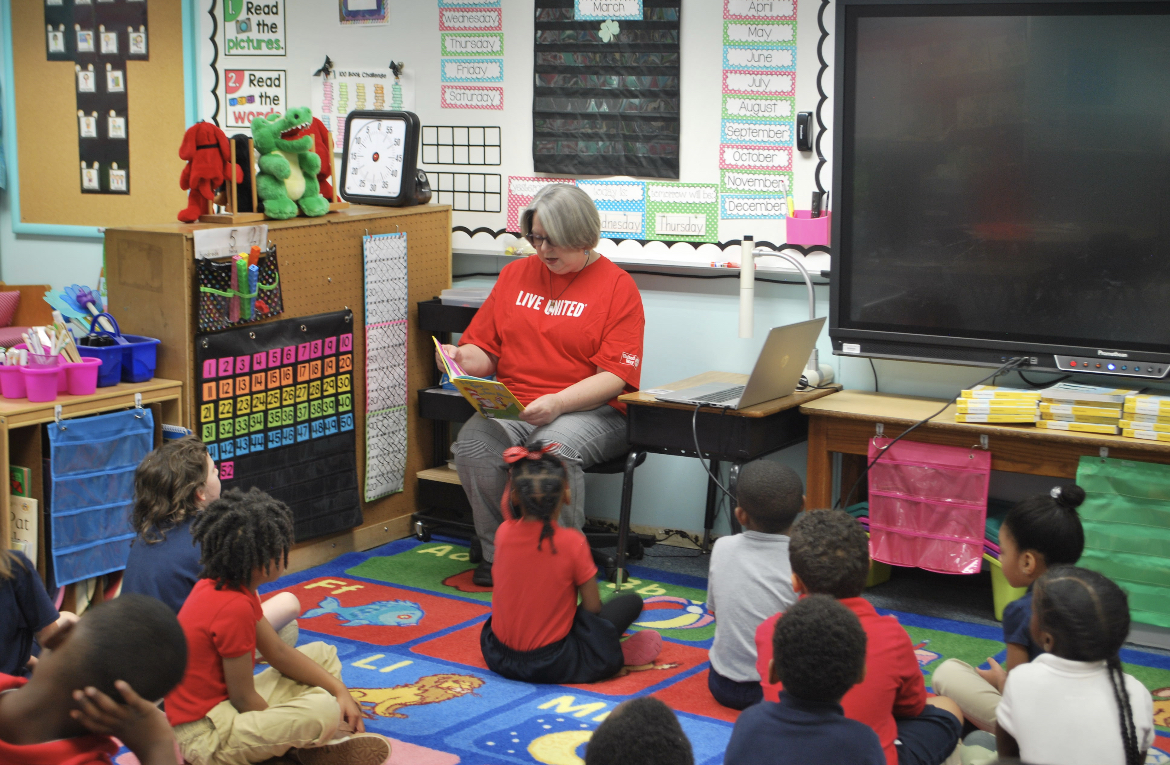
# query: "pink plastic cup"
40,383
12,382
83,377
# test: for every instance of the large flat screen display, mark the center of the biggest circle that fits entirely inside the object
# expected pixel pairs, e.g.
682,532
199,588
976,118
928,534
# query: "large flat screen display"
1003,180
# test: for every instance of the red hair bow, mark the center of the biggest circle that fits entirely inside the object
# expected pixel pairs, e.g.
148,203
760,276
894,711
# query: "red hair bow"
517,453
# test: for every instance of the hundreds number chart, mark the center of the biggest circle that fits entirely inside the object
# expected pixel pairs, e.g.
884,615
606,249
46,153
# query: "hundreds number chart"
276,410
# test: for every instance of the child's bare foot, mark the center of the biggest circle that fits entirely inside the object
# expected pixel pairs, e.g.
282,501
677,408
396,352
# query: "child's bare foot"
641,648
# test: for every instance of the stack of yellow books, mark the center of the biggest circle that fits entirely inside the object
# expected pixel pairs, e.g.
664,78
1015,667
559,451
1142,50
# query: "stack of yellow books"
1147,418
1083,408
991,403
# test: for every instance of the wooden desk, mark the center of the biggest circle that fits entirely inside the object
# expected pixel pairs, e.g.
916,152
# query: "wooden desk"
844,422
736,436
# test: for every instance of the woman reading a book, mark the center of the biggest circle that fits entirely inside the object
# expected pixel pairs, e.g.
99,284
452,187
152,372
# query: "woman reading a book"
562,329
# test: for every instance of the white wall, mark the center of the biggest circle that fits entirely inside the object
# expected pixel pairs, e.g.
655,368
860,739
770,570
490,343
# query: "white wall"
691,324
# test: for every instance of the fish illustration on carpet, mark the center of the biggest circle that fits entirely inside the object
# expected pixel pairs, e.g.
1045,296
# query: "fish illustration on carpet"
389,613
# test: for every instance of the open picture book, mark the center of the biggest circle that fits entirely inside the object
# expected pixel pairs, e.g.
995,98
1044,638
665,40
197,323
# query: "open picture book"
489,397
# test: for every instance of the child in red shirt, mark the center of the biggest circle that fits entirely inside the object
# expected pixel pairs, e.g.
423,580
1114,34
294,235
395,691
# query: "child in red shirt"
829,553
223,714
131,642
537,633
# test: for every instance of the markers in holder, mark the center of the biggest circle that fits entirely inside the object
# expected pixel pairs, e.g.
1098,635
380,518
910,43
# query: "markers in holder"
242,280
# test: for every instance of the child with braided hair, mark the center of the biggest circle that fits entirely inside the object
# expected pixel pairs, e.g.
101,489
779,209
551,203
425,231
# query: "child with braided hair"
298,707
1073,704
537,632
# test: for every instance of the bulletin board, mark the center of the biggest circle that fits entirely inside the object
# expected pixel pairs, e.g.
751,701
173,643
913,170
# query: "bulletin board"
148,98
746,68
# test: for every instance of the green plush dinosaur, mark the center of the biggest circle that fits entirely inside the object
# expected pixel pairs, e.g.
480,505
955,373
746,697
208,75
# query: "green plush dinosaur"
288,168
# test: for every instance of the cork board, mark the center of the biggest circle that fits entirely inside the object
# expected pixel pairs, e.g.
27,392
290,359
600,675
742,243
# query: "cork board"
151,277
45,93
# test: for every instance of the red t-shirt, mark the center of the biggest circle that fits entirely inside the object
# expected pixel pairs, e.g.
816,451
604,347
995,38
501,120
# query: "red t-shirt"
535,594
551,331
90,749
893,685
219,624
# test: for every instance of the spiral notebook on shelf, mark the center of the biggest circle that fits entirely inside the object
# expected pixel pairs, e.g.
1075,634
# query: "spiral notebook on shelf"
490,398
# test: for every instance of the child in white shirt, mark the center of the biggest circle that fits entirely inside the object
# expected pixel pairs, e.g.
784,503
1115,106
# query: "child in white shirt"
750,578
1073,705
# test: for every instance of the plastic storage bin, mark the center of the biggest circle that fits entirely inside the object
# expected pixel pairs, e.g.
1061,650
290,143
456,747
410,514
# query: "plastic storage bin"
139,358
110,357
40,383
1002,593
471,297
807,231
82,378
12,382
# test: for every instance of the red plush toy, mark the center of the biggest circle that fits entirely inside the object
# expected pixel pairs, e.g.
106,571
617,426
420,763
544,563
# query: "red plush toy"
209,165
316,128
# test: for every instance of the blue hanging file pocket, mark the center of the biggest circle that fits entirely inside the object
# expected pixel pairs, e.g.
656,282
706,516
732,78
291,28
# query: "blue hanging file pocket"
91,464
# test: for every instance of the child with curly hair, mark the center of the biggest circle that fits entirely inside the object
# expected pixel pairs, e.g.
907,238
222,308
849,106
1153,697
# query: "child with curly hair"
537,633
223,714
171,486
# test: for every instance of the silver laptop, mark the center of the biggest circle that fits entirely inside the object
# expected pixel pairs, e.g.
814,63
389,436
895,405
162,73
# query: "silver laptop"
778,369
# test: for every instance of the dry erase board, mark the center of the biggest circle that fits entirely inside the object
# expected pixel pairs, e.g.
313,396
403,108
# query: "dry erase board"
98,83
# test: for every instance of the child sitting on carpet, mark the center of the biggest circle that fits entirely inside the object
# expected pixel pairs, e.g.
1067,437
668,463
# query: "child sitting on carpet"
1039,532
221,713
750,578
829,552
537,633
819,651
26,613
171,486
69,709
1072,704
642,730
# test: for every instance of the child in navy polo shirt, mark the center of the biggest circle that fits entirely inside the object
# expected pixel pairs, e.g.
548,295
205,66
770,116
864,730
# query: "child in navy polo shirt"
819,654
171,486
26,613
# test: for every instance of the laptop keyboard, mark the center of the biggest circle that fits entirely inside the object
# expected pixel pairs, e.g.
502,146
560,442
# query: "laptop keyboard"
721,396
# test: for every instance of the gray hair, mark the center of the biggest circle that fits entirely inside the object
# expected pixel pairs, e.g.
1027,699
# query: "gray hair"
567,214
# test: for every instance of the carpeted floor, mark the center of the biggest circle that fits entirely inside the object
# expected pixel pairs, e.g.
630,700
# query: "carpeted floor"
405,619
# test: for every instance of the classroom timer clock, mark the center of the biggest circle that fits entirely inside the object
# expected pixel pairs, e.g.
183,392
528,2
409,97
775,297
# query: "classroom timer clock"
379,163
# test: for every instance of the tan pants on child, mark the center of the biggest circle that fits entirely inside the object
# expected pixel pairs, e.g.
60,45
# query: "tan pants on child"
298,715
977,698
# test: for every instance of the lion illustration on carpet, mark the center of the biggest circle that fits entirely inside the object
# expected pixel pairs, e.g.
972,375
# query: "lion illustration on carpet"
431,689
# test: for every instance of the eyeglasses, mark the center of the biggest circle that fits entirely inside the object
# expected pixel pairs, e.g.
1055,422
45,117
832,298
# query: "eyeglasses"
539,241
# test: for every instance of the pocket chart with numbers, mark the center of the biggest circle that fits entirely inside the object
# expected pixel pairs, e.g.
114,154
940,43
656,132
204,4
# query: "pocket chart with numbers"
276,410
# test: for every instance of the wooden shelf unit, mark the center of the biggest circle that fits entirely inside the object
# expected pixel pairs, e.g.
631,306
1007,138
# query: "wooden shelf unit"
153,290
22,439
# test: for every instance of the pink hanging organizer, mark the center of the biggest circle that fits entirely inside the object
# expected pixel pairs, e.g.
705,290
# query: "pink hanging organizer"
928,505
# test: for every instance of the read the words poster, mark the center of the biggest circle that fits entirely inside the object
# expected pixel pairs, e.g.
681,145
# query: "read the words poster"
252,93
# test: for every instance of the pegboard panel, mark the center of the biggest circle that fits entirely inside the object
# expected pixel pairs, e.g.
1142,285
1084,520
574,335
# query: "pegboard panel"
320,270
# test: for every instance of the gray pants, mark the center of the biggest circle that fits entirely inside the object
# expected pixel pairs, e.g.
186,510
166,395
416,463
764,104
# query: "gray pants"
586,439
